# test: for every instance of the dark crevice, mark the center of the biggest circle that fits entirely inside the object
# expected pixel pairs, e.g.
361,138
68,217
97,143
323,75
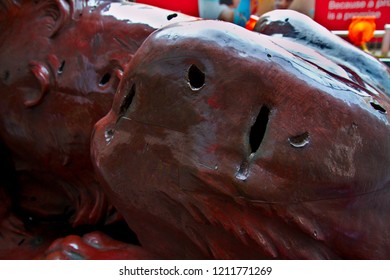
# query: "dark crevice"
258,129
378,107
119,231
61,68
171,16
105,79
196,77
127,101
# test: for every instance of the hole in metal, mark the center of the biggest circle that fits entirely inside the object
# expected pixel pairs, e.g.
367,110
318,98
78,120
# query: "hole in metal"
258,129
196,77
378,107
105,79
171,16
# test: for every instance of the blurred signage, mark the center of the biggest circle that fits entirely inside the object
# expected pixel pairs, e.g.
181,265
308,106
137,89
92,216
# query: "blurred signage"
337,15
189,7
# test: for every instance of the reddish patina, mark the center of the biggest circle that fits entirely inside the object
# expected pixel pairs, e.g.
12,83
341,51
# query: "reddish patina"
220,142
290,160
60,66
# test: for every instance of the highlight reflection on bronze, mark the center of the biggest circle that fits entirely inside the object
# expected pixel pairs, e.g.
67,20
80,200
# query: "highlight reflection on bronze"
220,142
362,68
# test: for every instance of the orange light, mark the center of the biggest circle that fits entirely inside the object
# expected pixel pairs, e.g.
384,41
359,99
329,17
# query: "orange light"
251,23
361,30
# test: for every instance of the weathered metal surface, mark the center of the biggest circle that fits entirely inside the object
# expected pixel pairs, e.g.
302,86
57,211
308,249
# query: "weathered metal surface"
223,143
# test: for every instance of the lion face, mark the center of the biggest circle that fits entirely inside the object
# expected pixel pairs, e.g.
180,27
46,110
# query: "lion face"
59,72
222,143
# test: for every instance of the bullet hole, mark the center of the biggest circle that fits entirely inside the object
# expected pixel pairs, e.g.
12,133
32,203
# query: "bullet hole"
196,77
300,140
105,79
127,101
171,16
61,68
378,107
258,129
268,55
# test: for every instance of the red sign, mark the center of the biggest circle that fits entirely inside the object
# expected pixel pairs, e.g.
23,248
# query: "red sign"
337,15
189,7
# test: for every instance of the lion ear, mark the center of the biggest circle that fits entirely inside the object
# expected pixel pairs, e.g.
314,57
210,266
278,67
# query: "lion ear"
42,74
56,14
